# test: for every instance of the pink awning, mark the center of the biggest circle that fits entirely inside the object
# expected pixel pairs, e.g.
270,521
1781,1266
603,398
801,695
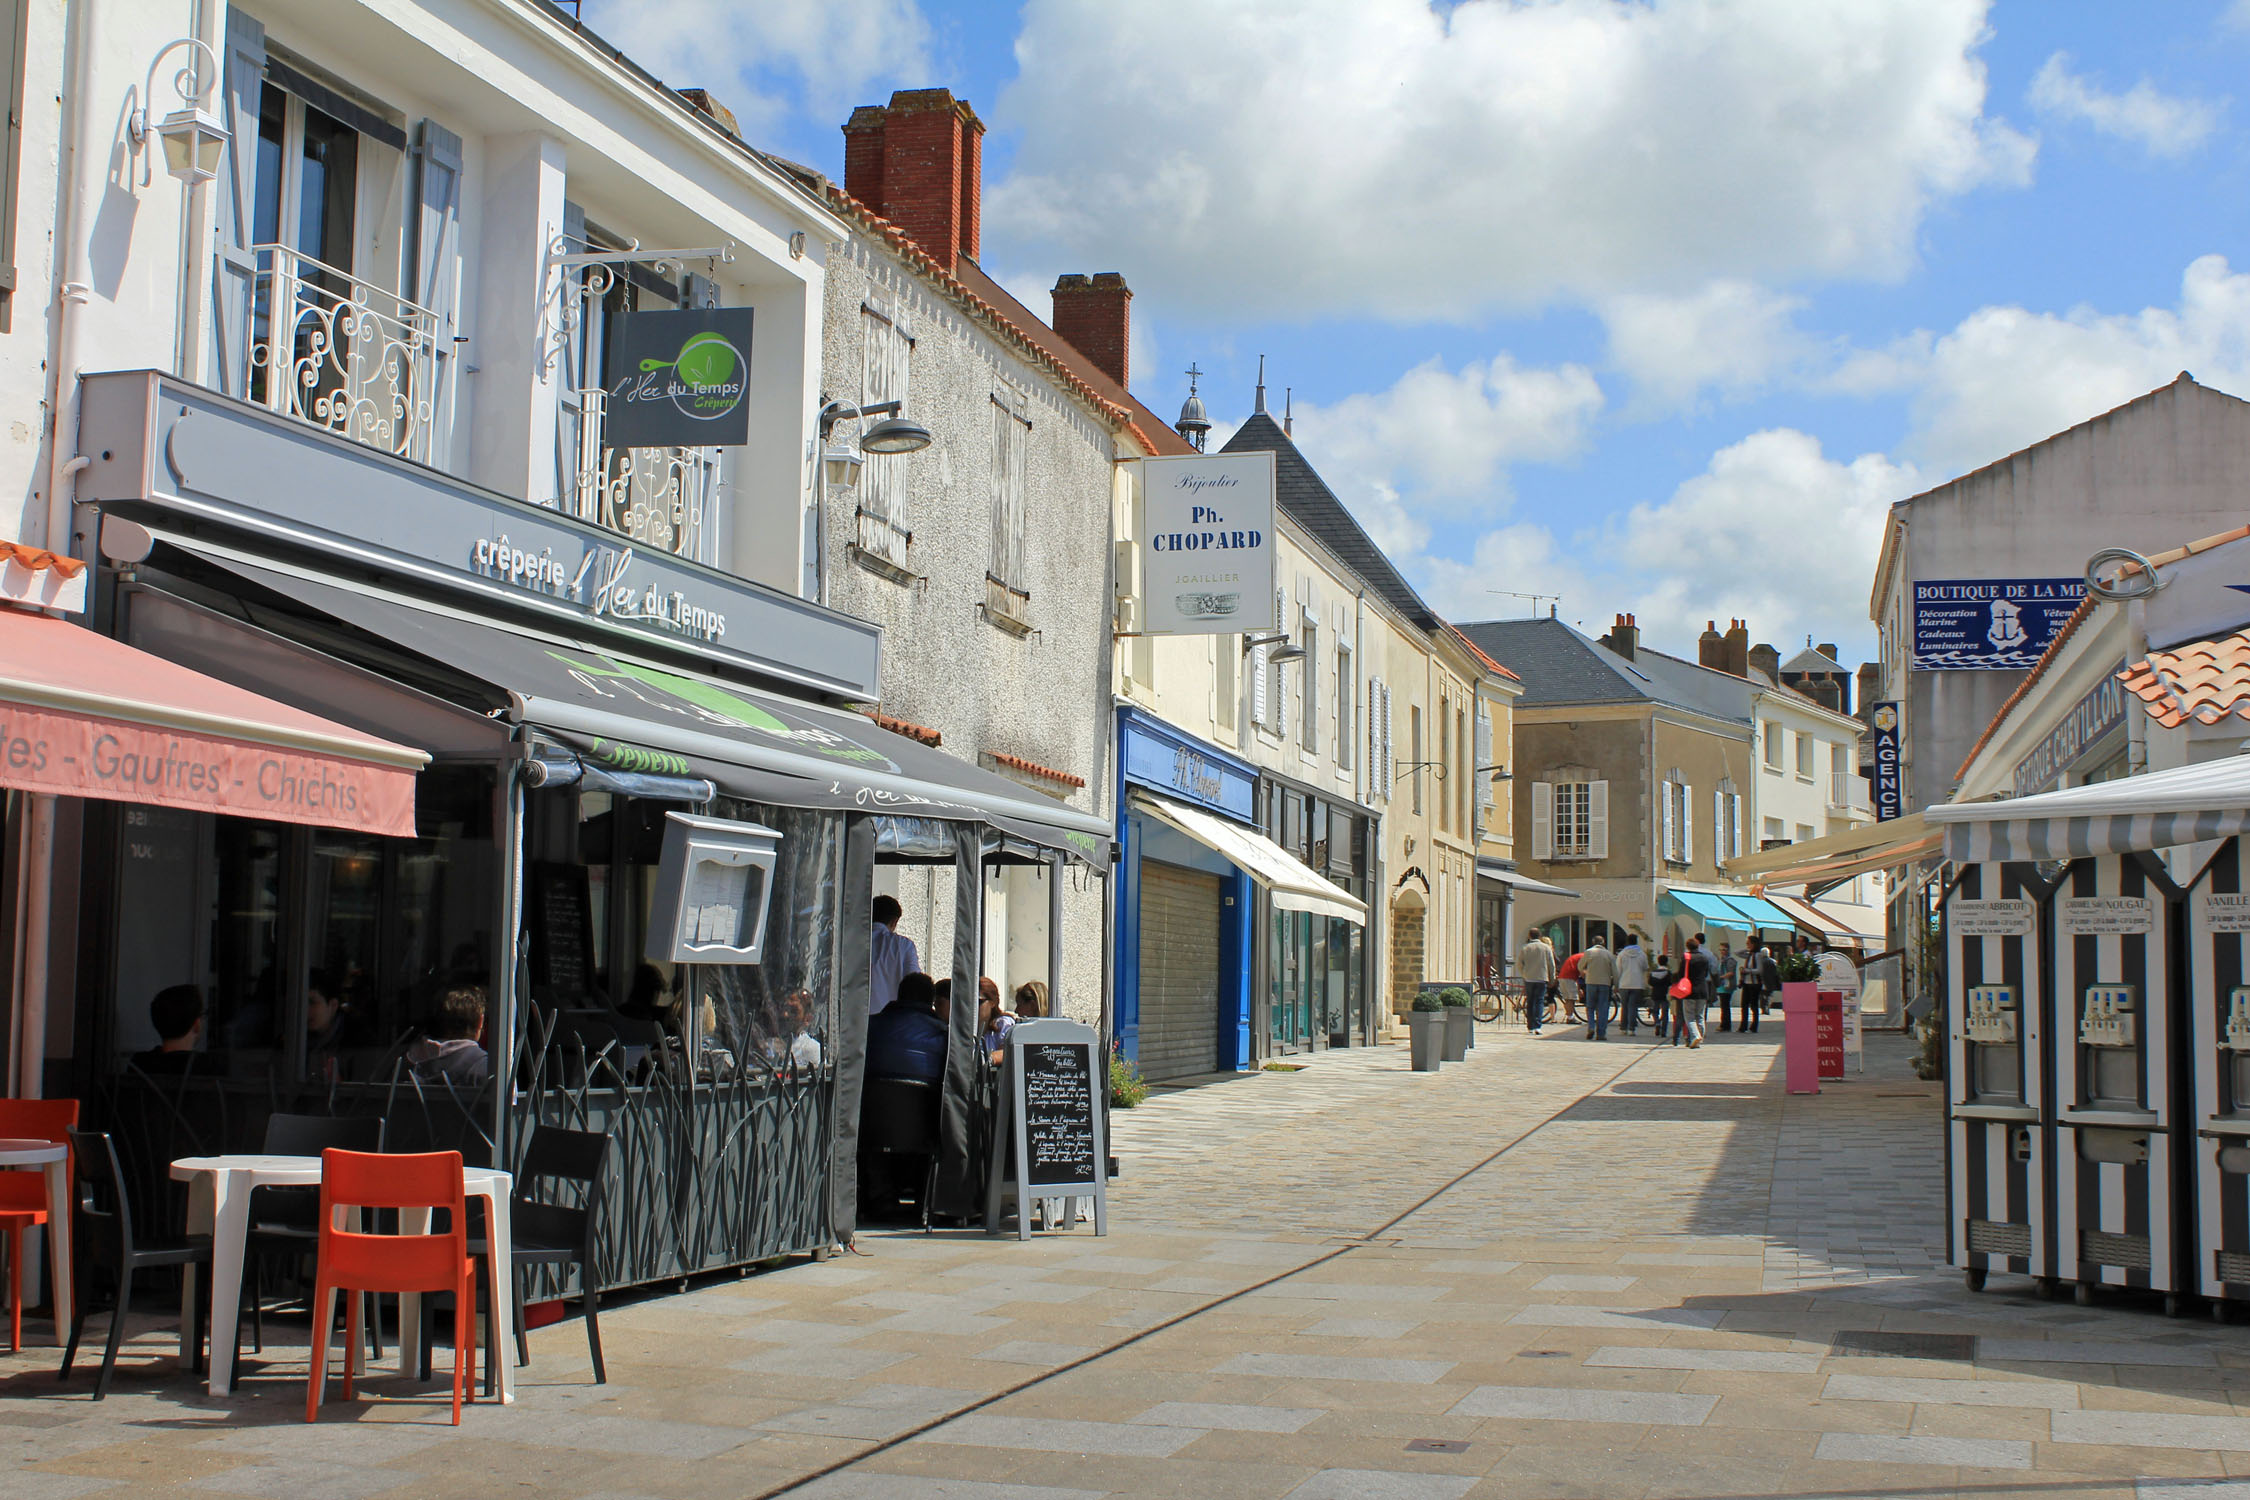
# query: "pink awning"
82,715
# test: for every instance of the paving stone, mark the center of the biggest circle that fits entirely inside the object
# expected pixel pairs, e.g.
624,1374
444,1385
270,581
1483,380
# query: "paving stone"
1381,1484
1325,1367
303,1479
1673,1358
2041,1393
2192,1489
1221,1416
1647,1318
2060,1352
1573,1404
1033,1352
25,1485
1975,1453
1570,1283
1055,1435
840,1364
872,1486
2153,1429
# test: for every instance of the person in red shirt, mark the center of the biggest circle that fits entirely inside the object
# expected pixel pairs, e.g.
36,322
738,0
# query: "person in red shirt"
1566,986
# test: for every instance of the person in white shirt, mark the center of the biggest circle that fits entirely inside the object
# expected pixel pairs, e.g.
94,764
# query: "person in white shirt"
893,958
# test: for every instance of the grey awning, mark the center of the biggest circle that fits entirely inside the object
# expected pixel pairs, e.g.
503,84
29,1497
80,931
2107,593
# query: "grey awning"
631,716
1492,869
2189,805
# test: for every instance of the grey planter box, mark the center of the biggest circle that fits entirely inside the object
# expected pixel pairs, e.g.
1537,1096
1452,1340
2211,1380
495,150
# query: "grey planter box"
1460,1032
1426,1037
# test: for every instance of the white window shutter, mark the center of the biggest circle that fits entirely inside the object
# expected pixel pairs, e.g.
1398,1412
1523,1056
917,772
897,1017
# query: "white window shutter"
1718,825
1597,819
1734,805
1542,820
1258,684
1687,824
1671,814
1484,756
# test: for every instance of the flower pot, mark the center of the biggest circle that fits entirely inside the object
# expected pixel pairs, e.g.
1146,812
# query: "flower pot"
1460,1031
1426,1036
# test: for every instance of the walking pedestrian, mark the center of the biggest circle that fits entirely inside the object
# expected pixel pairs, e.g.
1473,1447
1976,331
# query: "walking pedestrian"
1566,990
1535,966
1724,980
1688,1025
1632,984
1751,976
1597,971
1660,976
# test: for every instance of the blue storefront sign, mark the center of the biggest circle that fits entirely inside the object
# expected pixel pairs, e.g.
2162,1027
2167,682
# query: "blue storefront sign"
2090,718
1989,624
1170,761
1890,794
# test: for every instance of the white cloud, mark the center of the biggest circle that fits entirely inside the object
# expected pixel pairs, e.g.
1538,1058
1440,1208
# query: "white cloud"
2005,377
1308,157
1730,335
1773,531
761,57
2163,124
1449,435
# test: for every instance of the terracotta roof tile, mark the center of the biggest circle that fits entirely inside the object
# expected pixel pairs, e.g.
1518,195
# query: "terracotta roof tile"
2206,681
1033,768
912,731
36,558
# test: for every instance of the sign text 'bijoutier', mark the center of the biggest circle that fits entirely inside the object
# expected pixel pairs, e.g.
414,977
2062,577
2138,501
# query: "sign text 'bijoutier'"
1209,523
598,581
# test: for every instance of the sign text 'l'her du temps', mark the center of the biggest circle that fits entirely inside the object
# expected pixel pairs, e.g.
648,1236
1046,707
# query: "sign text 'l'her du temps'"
1208,559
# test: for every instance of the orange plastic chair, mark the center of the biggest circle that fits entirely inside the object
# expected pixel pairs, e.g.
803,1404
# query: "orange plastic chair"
23,1195
351,1261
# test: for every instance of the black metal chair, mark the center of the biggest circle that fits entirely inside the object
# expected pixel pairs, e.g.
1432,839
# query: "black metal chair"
548,1232
105,1239
898,1117
285,1221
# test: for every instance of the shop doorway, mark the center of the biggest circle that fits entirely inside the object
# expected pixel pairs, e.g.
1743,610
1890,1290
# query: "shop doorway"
1180,919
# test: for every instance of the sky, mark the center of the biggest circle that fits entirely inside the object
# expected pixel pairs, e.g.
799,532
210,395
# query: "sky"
1642,305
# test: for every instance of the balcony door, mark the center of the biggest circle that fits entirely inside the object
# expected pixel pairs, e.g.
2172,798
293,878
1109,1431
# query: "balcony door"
301,223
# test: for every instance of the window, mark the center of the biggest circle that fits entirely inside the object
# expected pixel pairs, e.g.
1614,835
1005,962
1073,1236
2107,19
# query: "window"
1009,590
1226,681
1726,822
1346,690
1570,818
1772,738
301,220
1840,759
1679,822
1444,760
1461,772
1268,684
1380,760
1804,833
1310,673
1479,770
1804,755
1414,751
1774,833
886,343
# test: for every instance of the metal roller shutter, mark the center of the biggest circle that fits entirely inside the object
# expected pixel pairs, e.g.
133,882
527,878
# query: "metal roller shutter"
1179,971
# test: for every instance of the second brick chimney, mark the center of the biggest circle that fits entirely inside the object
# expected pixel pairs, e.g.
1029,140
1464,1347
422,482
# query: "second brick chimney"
1094,315
1738,647
919,162
1624,637
1711,648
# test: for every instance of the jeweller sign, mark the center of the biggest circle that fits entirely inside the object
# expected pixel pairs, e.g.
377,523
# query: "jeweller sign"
1208,553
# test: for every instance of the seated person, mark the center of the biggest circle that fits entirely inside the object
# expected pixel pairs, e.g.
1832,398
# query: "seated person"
454,1050
1031,1000
177,1015
905,1039
804,1047
993,1023
649,1000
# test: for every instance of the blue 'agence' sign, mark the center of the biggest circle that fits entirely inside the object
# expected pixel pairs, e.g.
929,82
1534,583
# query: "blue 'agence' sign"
1890,796
1989,624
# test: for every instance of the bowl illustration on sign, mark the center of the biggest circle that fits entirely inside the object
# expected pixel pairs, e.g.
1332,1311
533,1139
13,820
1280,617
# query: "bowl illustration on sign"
707,379
1207,606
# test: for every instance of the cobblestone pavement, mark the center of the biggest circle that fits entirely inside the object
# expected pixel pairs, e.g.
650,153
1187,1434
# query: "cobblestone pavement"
1562,1269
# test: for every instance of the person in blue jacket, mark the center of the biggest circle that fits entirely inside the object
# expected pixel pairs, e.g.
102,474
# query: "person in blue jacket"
906,1039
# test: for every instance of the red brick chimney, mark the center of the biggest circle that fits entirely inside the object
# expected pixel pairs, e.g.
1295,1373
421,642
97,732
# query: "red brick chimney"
919,162
1094,314
1711,648
1738,647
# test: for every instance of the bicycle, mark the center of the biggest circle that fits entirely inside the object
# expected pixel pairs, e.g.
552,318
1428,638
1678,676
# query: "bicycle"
1494,999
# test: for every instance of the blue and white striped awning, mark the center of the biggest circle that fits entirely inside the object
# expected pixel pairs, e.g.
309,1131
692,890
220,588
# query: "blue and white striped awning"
2189,805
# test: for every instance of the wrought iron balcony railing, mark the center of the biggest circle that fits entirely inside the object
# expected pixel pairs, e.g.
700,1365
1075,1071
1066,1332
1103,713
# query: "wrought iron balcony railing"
333,350
659,497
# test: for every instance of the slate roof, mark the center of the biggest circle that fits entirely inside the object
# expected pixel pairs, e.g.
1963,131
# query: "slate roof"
2205,681
1313,505
1812,659
1561,665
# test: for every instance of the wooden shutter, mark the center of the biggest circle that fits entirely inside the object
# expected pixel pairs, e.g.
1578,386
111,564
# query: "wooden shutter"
235,269
1542,820
433,264
1671,820
1258,684
1734,806
1390,749
1687,824
14,33
1484,757
1597,819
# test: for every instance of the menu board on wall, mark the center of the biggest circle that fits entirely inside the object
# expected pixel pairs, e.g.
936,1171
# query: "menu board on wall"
2008,917
562,934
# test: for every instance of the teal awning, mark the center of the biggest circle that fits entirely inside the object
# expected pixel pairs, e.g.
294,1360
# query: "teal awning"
1714,910
1762,913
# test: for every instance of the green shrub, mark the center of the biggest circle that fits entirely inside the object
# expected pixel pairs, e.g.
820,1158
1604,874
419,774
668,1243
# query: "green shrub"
1455,998
1126,1086
1427,1001
1796,968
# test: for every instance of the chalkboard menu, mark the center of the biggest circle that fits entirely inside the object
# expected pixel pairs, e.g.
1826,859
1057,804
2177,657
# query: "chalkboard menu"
1058,1114
562,942
1049,1137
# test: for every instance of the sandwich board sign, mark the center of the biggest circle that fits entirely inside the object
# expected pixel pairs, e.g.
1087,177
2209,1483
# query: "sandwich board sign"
1049,1143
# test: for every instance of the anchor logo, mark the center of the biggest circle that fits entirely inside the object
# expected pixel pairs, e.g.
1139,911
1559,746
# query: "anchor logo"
2007,632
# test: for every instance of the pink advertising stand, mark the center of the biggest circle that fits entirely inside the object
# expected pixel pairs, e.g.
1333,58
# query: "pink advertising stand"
1800,1033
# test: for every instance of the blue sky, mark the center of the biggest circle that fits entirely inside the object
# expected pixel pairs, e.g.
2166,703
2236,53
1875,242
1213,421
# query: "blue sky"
1655,306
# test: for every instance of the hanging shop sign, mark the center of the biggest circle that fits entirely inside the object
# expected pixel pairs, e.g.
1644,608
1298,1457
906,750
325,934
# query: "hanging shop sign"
1989,624
1208,564
2091,717
1889,787
678,379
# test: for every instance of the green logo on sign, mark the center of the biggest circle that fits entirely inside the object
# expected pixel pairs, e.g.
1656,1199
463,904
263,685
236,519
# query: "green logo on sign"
706,378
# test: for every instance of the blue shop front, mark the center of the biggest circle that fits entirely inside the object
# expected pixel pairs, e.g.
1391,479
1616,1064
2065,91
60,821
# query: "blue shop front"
1196,864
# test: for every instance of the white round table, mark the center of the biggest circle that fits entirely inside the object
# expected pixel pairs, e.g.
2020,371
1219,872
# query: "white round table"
219,1190
54,1161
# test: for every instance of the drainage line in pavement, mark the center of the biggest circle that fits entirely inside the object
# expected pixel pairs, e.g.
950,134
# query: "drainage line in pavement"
1194,1312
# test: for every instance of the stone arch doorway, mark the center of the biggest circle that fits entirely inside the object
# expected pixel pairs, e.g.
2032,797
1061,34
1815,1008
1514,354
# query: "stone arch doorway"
1409,945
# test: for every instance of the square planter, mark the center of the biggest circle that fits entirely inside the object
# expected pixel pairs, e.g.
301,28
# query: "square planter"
1426,1037
1460,1032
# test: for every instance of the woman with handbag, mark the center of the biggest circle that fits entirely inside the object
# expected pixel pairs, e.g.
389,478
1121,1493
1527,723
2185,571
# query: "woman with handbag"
1691,993
1661,973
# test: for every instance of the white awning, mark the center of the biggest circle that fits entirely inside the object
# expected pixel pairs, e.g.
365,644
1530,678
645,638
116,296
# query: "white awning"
2185,806
1289,881
1830,925
1492,870
1839,856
